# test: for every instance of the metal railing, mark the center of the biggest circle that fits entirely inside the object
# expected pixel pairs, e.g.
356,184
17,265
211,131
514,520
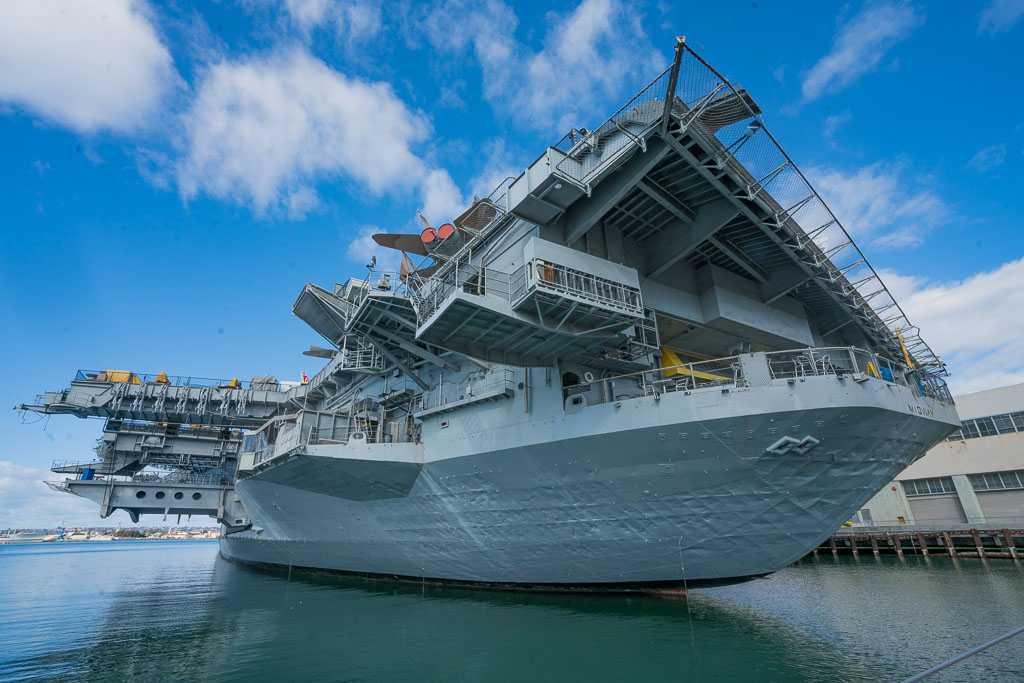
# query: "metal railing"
589,152
570,282
499,196
343,434
128,377
171,479
460,275
835,360
183,479
379,281
363,432
534,275
287,435
476,222
353,355
485,219
338,434
933,523
277,435
121,426
754,369
60,464
486,382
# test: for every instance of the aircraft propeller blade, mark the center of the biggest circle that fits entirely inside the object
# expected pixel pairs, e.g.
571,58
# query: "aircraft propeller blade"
319,352
410,243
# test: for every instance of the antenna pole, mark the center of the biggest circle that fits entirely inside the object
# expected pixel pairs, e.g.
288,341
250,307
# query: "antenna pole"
673,77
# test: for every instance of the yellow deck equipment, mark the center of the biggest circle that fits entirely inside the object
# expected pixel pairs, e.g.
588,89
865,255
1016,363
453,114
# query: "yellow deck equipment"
118,376
670,360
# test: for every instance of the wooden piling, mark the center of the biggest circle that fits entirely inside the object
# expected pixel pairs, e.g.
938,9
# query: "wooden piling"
949,543
941,537
924,546
977,542
1009,543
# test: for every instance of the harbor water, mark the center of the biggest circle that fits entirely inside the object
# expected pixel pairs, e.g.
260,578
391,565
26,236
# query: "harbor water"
173,610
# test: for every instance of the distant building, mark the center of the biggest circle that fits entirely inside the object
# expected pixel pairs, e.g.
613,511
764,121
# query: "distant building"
976,476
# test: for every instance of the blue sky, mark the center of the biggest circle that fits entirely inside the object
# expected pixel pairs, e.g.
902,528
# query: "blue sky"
172,174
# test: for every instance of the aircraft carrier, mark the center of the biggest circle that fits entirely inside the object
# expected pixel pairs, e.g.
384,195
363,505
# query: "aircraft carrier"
654,358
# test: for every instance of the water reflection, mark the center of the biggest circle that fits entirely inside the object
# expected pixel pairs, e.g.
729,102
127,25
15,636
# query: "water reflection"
185,614
272,627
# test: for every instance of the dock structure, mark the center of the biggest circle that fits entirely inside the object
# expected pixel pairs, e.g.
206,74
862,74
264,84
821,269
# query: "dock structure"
963,541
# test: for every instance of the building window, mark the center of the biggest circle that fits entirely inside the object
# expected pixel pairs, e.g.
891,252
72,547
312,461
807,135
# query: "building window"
985,426
930,486
1003,424
997,481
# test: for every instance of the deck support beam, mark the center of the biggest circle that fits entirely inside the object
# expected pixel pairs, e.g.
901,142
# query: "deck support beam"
582,216
746,207
679,240
401,366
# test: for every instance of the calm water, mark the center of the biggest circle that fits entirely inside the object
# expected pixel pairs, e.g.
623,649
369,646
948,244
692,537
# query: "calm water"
157,610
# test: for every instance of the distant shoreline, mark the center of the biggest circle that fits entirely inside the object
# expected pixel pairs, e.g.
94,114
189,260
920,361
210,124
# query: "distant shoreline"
5,541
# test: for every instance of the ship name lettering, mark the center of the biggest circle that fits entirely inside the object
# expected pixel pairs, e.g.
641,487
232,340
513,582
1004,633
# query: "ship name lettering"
921,410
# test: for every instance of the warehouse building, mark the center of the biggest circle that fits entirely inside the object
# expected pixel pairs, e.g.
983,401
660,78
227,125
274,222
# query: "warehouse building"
975,476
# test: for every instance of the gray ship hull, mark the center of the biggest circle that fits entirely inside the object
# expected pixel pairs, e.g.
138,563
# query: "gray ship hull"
644,500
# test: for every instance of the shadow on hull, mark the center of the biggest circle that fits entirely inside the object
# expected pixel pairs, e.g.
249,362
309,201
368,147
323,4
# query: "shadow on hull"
346,578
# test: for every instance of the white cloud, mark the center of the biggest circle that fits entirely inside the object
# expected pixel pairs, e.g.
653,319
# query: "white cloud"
834,123
450,96
27,503
263,131
974,324
442,199
588,56
1000,15
308,13
85,65
881,203
988,158
859,46
362,248
353,19
301,201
